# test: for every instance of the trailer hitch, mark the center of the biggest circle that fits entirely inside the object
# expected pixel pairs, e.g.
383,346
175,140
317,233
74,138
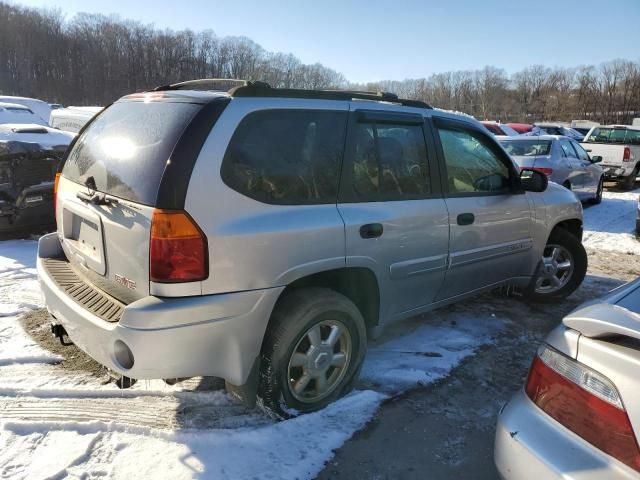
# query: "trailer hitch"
59,332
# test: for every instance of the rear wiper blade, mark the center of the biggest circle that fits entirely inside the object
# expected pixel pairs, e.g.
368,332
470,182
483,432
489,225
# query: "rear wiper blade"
96,198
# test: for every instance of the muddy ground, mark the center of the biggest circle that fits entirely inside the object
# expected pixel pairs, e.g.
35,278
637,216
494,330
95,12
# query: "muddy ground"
446,430
443,430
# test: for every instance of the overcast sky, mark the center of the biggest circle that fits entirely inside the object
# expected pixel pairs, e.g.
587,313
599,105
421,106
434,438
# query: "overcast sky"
374,40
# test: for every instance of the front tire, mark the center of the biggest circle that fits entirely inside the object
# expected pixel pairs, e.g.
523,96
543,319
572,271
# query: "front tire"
561,270
598,198
312,352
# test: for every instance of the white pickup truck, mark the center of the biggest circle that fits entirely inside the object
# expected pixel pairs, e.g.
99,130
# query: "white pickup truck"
619,147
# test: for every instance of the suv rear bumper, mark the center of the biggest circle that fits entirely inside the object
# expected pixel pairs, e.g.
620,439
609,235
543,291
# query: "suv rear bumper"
211,335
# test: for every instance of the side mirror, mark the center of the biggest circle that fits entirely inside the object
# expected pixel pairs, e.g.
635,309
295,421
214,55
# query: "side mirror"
533,181
596,158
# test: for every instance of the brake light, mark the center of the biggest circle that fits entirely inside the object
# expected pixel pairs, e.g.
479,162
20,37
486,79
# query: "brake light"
585,402
626,156
177,248
545,170
56,179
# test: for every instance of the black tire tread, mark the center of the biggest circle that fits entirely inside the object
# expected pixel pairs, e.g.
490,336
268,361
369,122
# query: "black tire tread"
296,305
581,262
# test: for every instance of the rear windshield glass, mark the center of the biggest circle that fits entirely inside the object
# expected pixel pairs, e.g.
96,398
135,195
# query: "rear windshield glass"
126,148
526,148
614,135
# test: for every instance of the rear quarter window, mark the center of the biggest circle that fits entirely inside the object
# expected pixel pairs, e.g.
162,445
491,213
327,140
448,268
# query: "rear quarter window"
287,157
126,148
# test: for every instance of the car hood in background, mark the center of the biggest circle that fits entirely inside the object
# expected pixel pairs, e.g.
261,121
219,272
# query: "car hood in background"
618,313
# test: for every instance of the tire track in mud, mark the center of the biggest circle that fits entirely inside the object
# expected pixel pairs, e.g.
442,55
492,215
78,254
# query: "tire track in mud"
160,412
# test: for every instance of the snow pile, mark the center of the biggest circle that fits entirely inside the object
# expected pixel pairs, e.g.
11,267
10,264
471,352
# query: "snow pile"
57,423
19,293
611,225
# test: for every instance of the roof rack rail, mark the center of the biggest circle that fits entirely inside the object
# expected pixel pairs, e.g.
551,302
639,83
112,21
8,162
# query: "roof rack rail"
262,89
216,84
256,88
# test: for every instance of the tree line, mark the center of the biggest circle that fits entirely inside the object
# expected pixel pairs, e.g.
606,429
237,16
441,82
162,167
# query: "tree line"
94,59
607,93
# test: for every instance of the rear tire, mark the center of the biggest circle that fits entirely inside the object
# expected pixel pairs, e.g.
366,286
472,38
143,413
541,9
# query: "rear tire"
629,182
598,198
312,352
564,258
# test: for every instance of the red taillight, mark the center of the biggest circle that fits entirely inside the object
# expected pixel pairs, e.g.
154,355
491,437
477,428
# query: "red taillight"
55,196
177,249
626,156
546,171
585,402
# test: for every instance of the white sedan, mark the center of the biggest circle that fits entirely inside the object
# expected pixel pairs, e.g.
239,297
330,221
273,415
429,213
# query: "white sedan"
578,416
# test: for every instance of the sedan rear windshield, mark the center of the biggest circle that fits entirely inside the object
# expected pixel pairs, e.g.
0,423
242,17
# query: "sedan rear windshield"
614,135
125,149
526,148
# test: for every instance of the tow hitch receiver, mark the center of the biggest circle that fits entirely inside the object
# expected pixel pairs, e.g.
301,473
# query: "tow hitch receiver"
60,333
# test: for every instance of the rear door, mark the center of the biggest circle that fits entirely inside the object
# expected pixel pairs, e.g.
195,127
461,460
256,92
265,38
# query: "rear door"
489,218
577,170
395,216
120,159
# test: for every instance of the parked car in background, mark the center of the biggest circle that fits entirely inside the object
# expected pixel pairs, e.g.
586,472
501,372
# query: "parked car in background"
578,415
638,217
72,119
583,126
500,129
39,107
562,159
259,256
27,173
555,129
619,147
42,135
16,113
520,127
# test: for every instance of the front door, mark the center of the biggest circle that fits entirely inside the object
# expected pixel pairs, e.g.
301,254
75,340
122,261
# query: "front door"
489,215
395,216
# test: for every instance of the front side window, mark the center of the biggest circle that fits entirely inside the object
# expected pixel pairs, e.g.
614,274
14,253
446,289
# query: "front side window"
582,153
287,157
390,162
472,166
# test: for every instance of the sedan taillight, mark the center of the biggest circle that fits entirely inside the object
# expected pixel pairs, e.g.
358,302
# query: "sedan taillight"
585,402
177,249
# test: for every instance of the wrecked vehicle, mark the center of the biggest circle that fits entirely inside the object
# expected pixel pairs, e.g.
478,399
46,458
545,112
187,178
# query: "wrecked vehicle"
27,173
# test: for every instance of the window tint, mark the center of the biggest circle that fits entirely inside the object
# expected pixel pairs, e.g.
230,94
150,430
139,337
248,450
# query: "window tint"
287,156
471,165
567,149
390,162
582,153
127,147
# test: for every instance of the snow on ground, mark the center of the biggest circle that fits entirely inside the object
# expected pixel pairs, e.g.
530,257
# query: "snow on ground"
611,225
85,428
60,424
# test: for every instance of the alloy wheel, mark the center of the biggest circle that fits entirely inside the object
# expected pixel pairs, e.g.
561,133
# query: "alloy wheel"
319,361
556,271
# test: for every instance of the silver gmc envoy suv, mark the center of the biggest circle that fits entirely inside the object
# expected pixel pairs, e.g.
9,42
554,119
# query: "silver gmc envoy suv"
260,234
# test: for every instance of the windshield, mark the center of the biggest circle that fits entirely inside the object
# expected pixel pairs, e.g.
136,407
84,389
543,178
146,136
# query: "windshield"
126,148
614,135
526,148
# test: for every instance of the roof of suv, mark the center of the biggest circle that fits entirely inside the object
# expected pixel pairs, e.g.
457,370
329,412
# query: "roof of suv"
208,89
